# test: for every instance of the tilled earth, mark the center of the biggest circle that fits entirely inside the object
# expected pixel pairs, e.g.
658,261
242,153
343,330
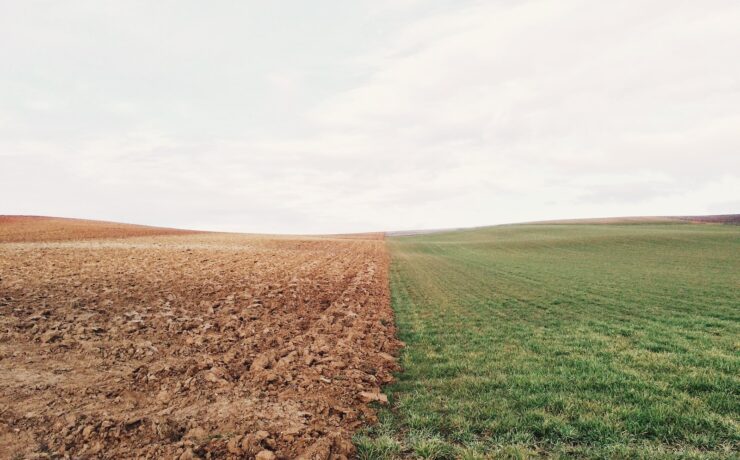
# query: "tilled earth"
187,346
40,228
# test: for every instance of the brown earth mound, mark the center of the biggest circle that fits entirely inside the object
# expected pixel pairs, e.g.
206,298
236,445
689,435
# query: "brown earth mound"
718,219
203,345
38,228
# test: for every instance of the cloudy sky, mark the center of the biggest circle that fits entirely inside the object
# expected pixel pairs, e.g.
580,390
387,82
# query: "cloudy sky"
336,116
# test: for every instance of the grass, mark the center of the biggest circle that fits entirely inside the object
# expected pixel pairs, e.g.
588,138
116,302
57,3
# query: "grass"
565,341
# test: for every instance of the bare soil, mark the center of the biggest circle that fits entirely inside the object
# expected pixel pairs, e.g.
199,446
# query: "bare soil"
41,228
192,345
717,219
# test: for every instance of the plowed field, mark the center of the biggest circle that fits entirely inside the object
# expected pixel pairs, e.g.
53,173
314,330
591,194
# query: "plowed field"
40,228
191,345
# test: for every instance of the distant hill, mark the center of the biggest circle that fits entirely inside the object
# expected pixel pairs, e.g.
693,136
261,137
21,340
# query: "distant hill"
732,219
44,228
718,219
40,228
715,219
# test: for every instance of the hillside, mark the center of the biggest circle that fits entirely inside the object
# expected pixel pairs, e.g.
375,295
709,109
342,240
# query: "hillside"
710,219
41,228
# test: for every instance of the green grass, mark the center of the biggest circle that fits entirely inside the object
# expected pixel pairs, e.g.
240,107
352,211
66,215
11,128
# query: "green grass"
565,341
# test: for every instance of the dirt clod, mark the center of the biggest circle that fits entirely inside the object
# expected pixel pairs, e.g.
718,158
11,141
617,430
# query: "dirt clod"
370,396
265,455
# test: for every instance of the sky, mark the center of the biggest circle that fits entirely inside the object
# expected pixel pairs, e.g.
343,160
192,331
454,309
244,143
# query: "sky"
336,116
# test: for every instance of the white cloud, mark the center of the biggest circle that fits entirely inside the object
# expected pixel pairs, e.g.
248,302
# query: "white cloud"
261,119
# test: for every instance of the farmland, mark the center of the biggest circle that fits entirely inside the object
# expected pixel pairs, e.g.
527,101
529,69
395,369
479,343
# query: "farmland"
589,341
608,339
39,229
124,341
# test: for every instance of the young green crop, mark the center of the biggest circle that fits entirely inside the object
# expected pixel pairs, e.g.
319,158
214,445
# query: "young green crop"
587,341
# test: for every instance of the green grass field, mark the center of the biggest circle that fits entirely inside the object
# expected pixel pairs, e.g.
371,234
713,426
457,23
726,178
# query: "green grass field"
585,341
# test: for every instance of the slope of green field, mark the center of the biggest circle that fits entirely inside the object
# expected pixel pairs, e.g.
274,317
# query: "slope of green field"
586,341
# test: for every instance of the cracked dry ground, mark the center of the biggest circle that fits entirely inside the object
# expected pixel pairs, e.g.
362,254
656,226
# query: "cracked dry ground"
187,346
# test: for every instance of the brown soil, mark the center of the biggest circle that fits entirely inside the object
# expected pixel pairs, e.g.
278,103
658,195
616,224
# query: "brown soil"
38,228
718,219
197,345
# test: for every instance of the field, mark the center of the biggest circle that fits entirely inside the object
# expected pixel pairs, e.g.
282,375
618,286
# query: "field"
186,345
586,341
608,339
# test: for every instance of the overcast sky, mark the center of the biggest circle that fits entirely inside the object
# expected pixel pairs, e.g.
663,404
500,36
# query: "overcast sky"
337,116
